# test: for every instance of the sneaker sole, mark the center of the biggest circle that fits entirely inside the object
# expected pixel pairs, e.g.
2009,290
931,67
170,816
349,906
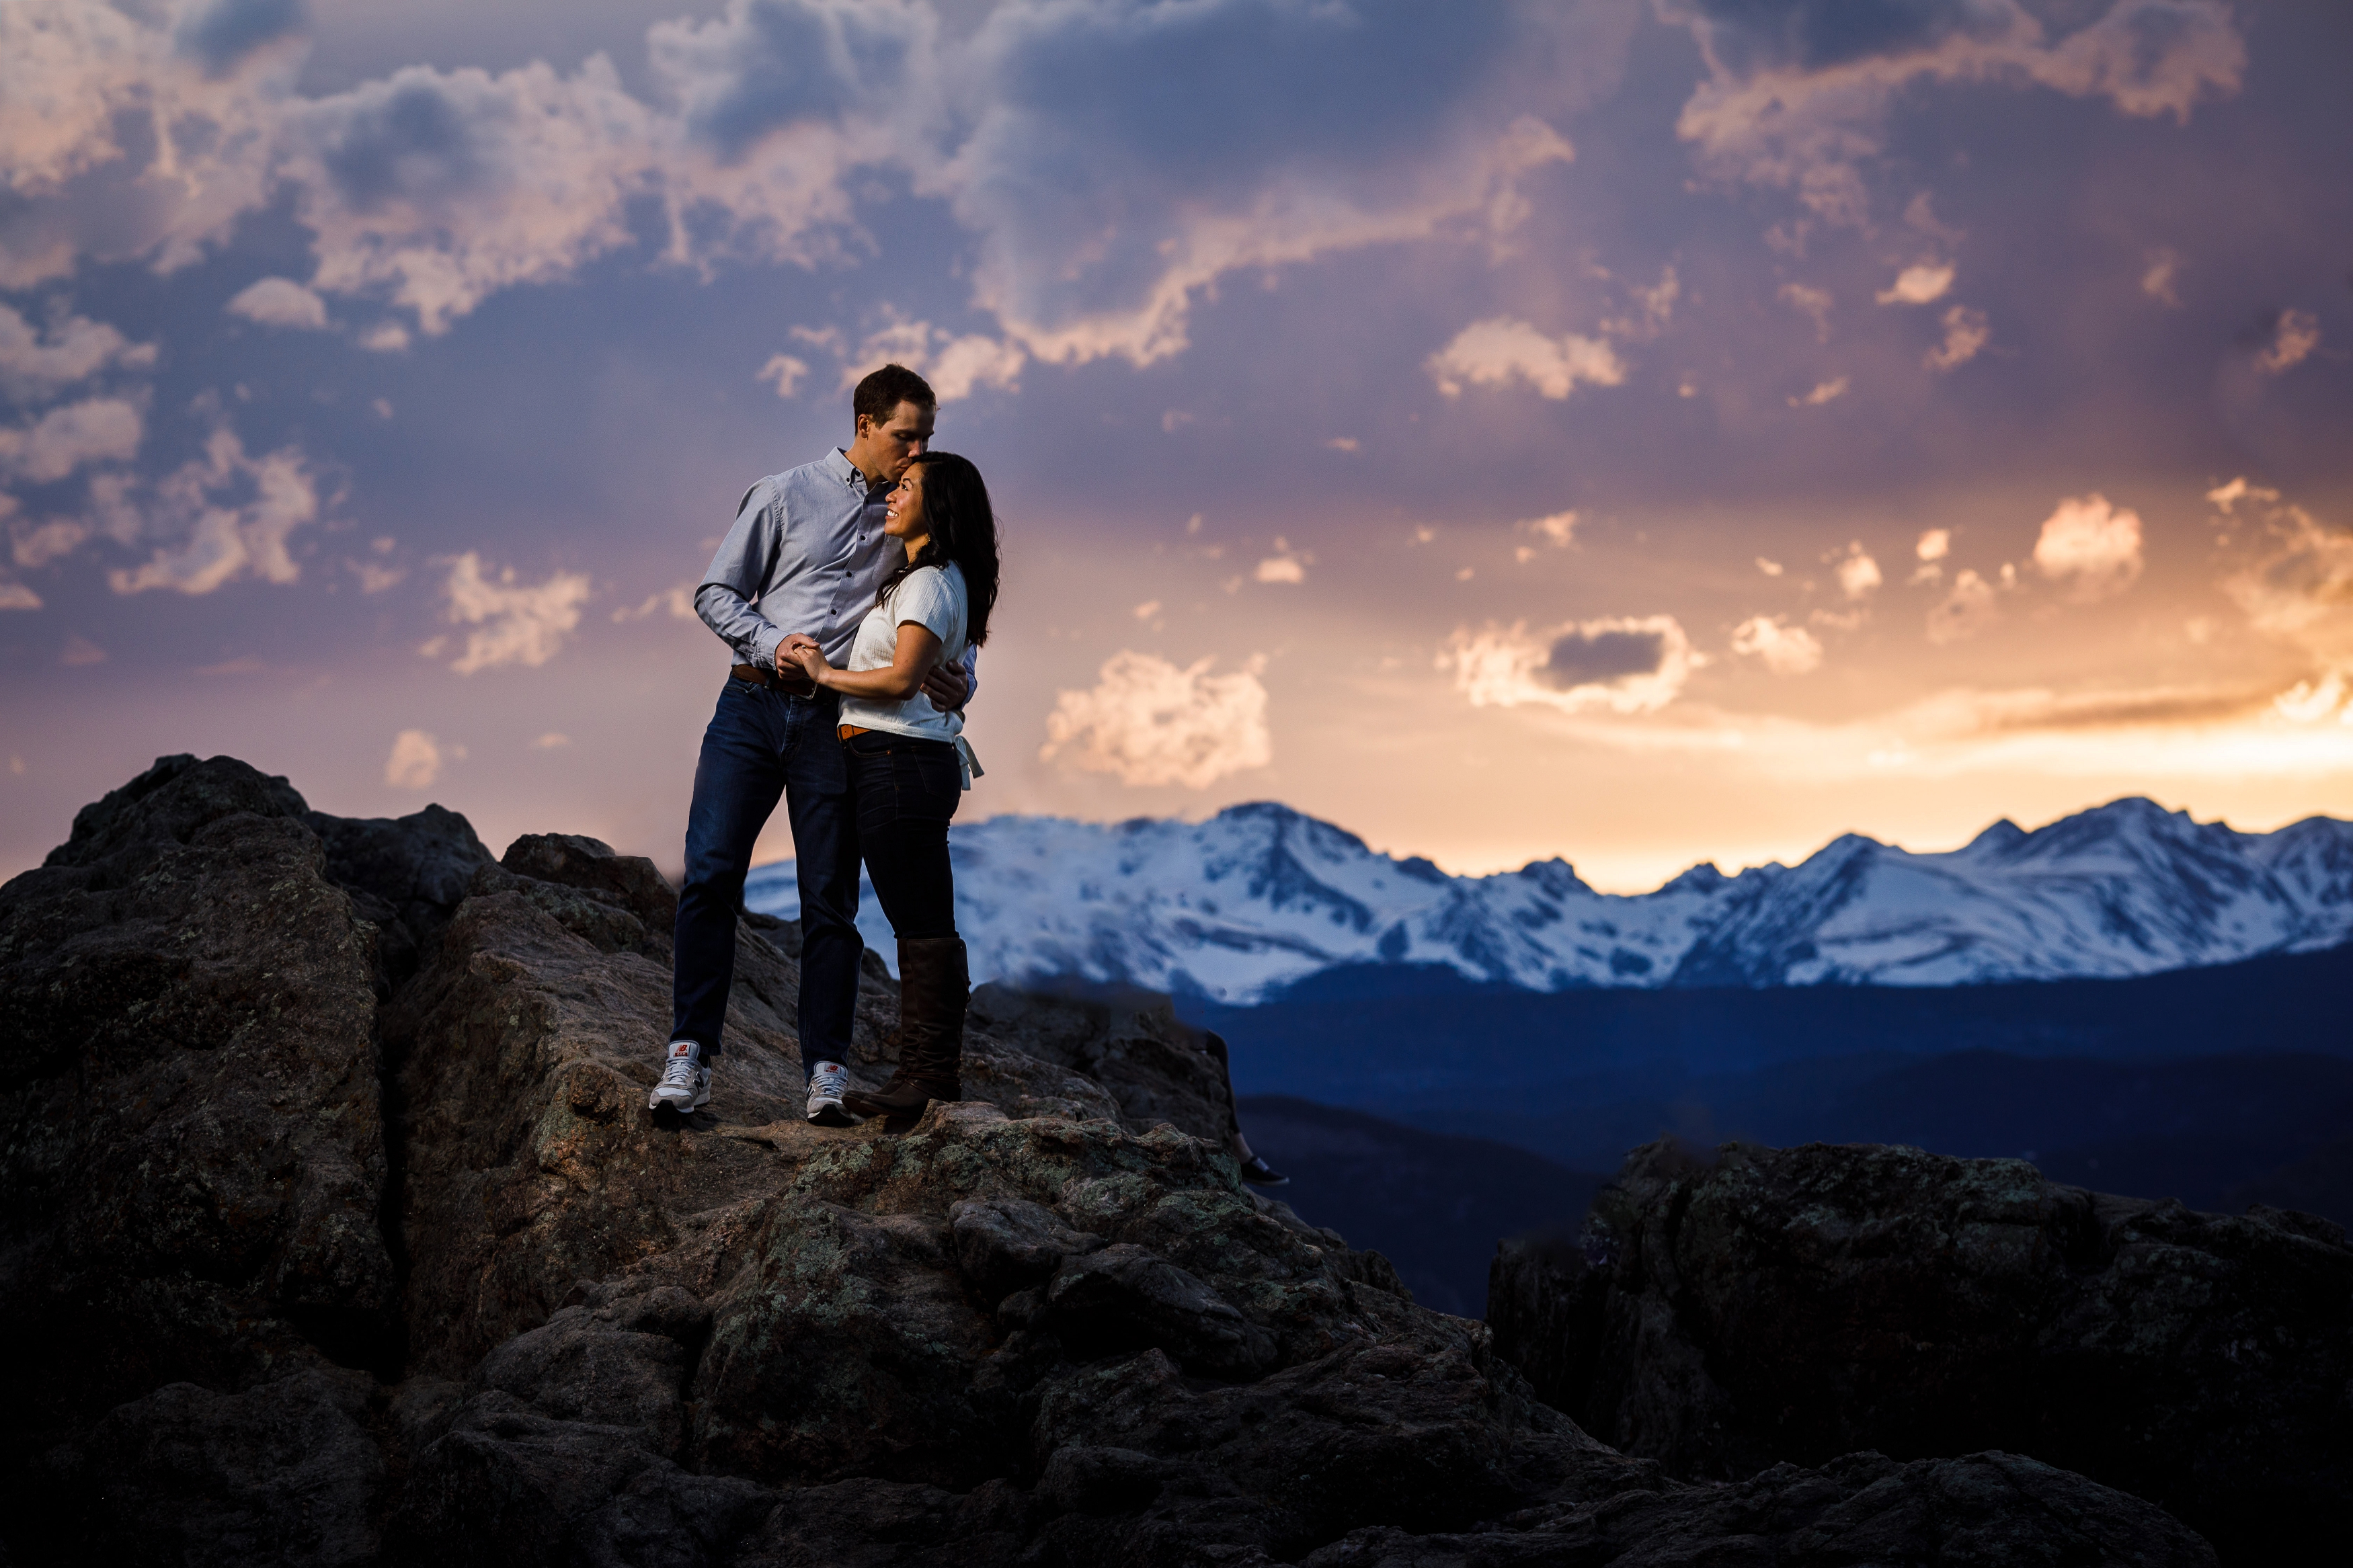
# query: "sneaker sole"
831,1116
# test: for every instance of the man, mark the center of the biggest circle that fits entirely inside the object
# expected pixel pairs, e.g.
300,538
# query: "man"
807,555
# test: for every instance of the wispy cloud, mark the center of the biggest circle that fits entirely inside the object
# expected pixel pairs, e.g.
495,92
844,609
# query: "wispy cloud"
34,362
220,515
1965,332
513,623
2293,337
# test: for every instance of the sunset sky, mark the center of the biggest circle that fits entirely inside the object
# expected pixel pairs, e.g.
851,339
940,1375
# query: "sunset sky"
1640,431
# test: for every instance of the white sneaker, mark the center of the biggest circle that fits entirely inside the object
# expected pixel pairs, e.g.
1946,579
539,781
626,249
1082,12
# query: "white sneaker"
826,1086
685,1084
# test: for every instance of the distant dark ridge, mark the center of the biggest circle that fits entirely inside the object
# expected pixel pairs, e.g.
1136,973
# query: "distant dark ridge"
1415,1016
1434,1204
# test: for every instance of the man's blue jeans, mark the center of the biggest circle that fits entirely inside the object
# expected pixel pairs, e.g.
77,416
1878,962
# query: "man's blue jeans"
761,744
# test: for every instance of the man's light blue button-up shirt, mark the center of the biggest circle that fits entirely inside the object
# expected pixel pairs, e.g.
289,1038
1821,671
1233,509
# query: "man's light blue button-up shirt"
808,549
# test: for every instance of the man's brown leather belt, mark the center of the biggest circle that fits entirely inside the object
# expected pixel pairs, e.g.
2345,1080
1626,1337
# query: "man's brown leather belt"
802,687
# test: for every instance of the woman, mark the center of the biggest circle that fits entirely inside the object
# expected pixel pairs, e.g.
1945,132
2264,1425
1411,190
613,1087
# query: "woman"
909,762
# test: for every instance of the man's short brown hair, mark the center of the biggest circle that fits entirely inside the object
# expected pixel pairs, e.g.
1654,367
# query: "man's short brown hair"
879,395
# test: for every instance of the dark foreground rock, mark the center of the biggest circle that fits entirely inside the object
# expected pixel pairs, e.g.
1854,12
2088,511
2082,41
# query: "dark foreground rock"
341,1235
1725,1314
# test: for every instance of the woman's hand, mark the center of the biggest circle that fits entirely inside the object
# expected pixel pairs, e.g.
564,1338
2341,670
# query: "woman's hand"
811,661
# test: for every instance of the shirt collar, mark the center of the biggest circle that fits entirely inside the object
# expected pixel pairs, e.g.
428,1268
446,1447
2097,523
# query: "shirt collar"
849,473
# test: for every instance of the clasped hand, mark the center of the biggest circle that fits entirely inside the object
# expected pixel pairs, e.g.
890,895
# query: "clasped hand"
945,683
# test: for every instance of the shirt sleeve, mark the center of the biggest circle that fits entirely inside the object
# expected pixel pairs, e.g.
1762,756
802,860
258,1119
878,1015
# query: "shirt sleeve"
923,598
725,601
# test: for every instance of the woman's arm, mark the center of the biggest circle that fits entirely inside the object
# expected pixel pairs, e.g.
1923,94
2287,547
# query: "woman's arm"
917,652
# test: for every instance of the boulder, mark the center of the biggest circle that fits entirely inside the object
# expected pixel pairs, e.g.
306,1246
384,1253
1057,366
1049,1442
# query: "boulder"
191,1135
1727,1312
285,1472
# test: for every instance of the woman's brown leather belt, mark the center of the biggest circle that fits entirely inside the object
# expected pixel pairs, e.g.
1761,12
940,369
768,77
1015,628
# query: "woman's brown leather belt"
845,731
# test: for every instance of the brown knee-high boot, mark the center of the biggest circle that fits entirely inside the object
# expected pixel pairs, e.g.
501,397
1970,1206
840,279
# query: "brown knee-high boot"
933,986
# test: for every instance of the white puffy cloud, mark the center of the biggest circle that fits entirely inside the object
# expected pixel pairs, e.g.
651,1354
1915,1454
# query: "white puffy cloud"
1784,650
1965,332
2091,546
1558,528
222,515
513,624
1621,664
2159,278
1935,544
1501,351
415,762
1797,95
1856,572
280,302
1921,284
1285,565
95,430
34,362
1149,723
16,596
2295,335
1964,611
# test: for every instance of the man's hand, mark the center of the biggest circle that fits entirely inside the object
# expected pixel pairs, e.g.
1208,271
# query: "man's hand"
789,667
946,687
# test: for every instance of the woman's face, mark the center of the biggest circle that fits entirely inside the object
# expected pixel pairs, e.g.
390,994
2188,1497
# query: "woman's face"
902,513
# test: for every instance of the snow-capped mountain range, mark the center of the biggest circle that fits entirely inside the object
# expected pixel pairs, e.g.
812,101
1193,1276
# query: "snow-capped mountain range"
1260,896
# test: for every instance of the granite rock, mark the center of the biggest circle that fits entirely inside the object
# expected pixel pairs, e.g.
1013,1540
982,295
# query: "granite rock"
1725,1312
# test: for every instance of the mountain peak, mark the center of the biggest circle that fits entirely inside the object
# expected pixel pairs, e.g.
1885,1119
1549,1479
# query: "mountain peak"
1261,896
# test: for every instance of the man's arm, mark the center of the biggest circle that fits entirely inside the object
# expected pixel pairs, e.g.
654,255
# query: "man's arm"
951,686
735,578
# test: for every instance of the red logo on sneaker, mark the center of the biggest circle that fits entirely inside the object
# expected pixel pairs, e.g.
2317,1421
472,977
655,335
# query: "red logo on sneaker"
681,1048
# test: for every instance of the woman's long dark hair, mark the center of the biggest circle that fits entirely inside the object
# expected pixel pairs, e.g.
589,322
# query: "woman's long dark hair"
963,530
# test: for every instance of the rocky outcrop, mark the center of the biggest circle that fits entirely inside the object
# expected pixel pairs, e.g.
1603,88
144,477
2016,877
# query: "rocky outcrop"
191,1138
348,1239
1727,1313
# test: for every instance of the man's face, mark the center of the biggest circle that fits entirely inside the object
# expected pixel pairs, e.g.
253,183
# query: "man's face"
897,440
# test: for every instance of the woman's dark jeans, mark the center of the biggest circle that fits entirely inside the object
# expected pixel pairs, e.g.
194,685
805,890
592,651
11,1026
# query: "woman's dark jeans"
907,790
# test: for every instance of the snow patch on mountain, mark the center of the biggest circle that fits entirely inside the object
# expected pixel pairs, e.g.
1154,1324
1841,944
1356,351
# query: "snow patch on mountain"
1260,896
